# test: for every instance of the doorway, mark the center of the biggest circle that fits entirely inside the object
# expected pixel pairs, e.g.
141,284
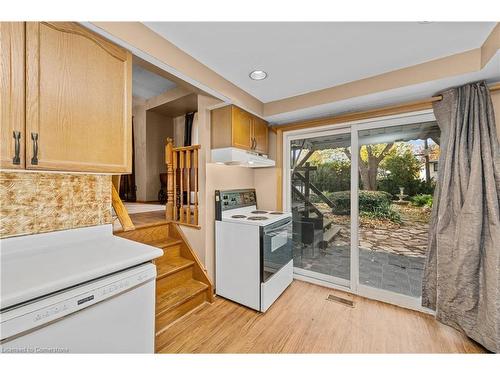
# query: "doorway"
360,194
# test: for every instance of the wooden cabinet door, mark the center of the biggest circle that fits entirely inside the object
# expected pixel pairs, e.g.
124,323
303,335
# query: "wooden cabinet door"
12,84
260,134
241,129
78,100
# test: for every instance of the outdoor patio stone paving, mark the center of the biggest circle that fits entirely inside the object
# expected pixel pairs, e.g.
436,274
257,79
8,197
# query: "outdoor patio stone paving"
379,269
390,258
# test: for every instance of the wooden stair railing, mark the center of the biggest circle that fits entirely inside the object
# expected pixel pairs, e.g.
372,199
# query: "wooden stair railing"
121,210
182,181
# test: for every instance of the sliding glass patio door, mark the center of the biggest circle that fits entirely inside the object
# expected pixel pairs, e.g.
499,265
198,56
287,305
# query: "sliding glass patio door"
360,197
397,170
320,189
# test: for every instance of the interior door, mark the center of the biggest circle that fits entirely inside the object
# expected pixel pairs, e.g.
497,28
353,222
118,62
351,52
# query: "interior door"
12,136
78,100
241,128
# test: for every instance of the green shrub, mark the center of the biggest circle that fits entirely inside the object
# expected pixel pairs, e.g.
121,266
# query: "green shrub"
422,200
334,175
316,199
383,212
375,204
341,202
412,186
372,201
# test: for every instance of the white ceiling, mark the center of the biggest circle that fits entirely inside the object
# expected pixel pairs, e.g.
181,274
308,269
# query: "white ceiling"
490,73
146,84
301,56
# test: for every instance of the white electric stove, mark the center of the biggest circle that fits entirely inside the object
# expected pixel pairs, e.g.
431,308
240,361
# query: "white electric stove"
254,262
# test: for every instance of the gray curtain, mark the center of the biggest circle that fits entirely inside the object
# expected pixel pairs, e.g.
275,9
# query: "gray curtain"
462,271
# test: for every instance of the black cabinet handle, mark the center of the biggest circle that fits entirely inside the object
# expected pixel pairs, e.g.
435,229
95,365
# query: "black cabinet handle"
17,147
34,159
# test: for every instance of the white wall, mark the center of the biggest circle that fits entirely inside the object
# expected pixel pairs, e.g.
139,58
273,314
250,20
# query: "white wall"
139,113
265,184
265,181
151,130
179,124
158,129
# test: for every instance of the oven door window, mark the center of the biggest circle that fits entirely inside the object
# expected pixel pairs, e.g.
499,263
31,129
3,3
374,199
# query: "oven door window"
277,248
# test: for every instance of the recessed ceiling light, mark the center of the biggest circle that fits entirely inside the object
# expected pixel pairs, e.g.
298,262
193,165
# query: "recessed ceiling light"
258,75
425,22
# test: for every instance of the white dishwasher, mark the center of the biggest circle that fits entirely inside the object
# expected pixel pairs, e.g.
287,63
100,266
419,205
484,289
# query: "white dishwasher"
112,314
77,291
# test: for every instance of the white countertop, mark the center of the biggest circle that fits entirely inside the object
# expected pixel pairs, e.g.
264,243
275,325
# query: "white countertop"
36,265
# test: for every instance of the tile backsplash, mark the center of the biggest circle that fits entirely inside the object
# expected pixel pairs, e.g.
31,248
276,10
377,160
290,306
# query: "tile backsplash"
45,202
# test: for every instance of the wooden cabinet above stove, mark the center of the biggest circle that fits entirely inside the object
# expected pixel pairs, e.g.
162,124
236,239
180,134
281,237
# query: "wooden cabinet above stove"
233,127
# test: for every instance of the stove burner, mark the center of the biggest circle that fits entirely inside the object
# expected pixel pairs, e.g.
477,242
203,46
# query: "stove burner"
257,218
259,212
276,213
238,216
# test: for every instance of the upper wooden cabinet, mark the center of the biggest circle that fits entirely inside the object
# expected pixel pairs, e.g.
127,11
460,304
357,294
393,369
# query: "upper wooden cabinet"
261,135
241,129
78,100
68,92
12,135
233,127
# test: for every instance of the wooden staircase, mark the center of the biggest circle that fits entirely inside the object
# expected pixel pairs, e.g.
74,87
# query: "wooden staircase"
181,282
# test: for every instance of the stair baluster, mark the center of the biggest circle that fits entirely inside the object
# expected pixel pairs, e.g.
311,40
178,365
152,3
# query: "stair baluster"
182,171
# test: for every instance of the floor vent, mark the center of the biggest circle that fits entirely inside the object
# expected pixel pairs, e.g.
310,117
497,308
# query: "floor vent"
341,300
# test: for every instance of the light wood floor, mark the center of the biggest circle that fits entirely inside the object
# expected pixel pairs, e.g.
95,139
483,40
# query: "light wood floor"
303,321
135,207
150,217
141,219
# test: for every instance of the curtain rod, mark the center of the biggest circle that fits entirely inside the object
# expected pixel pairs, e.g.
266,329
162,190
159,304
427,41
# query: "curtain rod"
374,112
437,98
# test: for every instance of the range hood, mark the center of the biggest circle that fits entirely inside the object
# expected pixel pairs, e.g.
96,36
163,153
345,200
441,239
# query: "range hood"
242,158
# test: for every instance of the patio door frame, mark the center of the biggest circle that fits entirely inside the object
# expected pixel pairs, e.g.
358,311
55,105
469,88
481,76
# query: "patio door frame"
352,127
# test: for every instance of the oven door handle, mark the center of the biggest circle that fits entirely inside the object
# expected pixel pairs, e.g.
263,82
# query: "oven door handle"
278,229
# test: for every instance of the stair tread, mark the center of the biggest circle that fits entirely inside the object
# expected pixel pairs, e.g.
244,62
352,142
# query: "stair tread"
164,242
178,295
171,265
327,221
330,233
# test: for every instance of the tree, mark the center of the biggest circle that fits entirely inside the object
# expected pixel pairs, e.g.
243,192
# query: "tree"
332,176
428,152
370,157
327,155
403,170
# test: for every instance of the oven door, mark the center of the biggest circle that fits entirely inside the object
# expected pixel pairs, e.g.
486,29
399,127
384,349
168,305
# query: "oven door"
276,247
